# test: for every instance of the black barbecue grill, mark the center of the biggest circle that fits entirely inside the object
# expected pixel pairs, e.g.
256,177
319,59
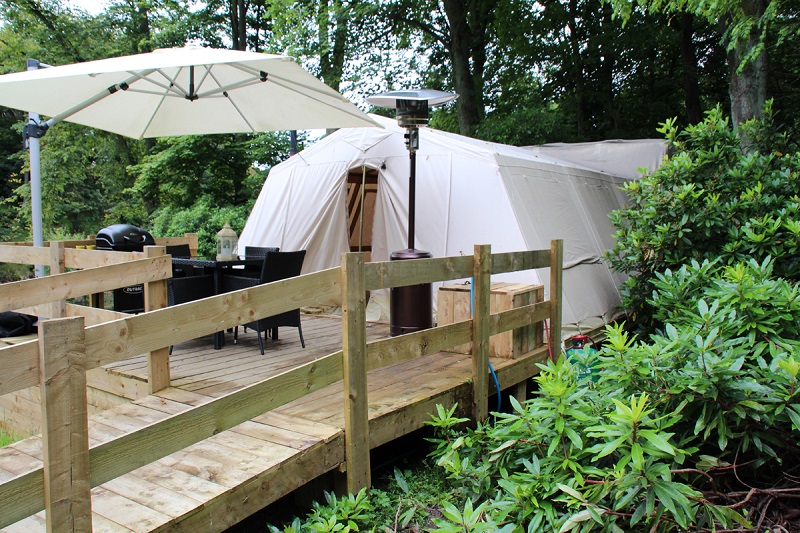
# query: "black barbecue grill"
125,238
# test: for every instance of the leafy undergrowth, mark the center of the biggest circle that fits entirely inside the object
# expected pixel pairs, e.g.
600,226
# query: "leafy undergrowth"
694,429
7,438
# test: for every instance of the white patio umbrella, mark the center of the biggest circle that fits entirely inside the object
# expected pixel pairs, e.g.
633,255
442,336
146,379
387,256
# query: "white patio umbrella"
181,91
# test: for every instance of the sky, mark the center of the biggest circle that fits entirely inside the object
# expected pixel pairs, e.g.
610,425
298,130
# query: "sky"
92,6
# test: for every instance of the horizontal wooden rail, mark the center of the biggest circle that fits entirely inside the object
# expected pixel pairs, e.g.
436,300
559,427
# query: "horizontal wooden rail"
24,255
133,335
390,274
515,261
93,315
26,293
75,258
20,364
24,495
519,317
394,350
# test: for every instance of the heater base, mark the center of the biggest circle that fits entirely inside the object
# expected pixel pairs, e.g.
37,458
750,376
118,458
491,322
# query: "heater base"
411,307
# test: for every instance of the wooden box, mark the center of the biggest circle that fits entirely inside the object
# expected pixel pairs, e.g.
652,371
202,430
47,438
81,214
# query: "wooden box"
454,306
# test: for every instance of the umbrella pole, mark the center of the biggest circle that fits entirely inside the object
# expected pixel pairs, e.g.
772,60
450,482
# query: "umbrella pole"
36,181
36,194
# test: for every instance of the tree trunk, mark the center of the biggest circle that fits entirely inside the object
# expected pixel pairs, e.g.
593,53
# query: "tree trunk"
468,27
239,24
748,85
691,87
576,66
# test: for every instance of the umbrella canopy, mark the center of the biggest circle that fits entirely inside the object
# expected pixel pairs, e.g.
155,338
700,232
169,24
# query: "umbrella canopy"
182,91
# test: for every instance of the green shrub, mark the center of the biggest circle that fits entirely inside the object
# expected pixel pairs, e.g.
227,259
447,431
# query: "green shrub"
204,218
649,443
710,200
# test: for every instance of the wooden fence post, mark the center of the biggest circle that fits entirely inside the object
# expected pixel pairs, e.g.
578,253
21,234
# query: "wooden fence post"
482,280
155,297
354,350
193,243
65,425
556,279
57,266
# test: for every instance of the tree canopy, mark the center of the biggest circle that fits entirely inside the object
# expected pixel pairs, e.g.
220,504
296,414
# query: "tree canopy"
526,71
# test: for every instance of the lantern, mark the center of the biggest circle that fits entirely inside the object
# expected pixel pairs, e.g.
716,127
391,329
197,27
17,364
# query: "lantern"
226,243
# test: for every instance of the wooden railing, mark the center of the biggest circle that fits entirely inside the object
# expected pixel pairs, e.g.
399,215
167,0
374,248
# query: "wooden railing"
66,349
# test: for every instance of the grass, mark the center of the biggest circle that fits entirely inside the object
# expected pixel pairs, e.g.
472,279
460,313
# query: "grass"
7,438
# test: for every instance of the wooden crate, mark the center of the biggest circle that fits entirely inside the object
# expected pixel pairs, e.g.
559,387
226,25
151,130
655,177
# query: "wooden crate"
454,306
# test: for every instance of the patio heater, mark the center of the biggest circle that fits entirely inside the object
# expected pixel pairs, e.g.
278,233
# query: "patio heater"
411,307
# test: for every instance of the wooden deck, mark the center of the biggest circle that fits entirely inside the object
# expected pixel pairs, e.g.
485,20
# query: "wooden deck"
216,483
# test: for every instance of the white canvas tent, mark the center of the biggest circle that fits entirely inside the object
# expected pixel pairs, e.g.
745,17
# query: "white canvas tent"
623,158
468,192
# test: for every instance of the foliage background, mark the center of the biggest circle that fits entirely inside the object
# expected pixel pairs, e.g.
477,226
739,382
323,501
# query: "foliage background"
528,72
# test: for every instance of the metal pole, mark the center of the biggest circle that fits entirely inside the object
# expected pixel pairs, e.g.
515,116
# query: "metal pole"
36,181
292,142
361,210
412,191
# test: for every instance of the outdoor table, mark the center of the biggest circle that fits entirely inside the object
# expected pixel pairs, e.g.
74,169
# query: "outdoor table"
219,267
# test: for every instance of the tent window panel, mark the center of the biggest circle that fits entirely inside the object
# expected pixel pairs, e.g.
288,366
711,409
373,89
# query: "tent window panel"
360,229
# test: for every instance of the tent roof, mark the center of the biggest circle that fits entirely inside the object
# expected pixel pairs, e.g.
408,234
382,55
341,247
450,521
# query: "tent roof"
468,191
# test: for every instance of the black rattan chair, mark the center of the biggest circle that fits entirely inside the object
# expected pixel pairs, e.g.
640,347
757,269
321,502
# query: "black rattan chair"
188,289
251,252
182,251
277,266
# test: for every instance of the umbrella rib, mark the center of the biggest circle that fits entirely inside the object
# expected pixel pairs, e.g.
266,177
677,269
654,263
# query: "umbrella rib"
222,90
173,85
225,93
325,90
93,100
286,85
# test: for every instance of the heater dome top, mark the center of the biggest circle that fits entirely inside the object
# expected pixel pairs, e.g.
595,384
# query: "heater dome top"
431,96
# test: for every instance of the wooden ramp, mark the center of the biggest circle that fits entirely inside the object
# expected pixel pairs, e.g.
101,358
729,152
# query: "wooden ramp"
217,482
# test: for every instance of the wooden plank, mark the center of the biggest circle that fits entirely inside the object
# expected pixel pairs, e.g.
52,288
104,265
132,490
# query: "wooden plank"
256,493
17,462
131,451
556,284
24,255
20,364
126,512
354,350
480,332
151,495
27,525
65,425
19,294
93,315
188,238
21,497
57,308
386,352
195,462
516,261
122,386
179,481
389,274
75,258
519,317
285,437
114,341
155,297
306,427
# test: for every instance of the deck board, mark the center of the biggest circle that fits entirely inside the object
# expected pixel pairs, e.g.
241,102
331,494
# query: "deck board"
215,483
